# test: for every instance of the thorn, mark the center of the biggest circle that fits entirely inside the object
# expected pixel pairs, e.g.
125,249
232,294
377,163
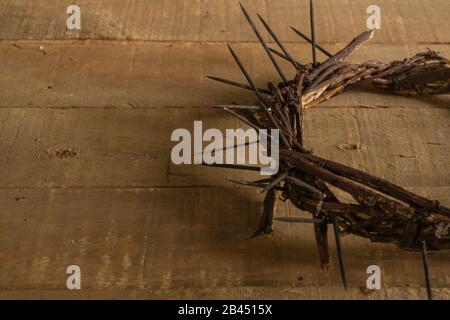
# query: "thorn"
233,106
247,76
265,224
282,56
258,94
339,252
313,31
426,270
256,184
248,183
276,181
324,51
298,220
238,84
232,147
263,43
280,44
304,185
232,166
238,116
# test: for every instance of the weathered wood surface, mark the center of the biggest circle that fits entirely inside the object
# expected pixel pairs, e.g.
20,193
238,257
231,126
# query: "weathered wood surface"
404,21
77,148
85,145
147,75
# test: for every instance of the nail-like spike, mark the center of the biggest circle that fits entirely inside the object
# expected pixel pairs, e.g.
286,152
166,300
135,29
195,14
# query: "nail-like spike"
282,56
238,116
247,76
301,34
276,181
258,94
233,146
426,270
313,31
263,43
233,106
232,166
256,184
304,185
238,84
248,183
339,252
298,220
280,44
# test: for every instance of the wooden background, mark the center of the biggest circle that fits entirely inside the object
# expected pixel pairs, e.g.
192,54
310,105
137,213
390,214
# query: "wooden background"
86,179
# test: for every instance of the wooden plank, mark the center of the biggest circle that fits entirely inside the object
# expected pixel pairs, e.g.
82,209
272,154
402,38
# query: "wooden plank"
231,293
403,21
131,147
161,74
85,124
172,239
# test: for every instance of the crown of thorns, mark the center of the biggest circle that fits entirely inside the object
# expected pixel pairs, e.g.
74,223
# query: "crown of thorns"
379,210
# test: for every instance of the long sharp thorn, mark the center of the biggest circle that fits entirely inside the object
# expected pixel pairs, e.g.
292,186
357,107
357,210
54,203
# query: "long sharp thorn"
281,55
247,122
280,44
255,184
426,270
263,43
232,166
235,146
276,181
247,76
301,34
238,116
298,220
233,106
304,185
339,252
238,84
246,183
313,31
258,94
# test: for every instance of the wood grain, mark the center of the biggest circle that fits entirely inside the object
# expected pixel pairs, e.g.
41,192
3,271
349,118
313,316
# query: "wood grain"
131,148
147,75
403,21
85,124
